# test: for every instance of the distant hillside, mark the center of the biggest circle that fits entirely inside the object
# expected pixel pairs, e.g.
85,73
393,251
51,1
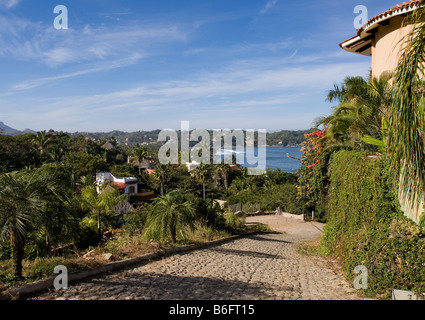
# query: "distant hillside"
4,129
281,138
286,138
121,136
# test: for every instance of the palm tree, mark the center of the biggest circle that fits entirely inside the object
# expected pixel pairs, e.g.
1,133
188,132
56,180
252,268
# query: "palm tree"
362,110
140,154
22,197
87,180
161,173
168,214
202,174
101,202
41,140
223,170
406,131
56,153
216,175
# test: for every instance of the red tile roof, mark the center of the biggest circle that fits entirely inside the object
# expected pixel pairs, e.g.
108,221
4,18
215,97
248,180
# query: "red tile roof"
402,6
122,185
362,40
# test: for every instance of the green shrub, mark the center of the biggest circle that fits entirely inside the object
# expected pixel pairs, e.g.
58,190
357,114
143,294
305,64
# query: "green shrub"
89,234
270,197
366,227
234,224
5,250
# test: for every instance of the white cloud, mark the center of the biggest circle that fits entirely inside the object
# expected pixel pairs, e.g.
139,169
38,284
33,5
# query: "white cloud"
270,4
9,3
30,84
30,41
253,89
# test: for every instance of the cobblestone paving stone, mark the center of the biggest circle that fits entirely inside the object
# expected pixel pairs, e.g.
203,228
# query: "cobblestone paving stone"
256,267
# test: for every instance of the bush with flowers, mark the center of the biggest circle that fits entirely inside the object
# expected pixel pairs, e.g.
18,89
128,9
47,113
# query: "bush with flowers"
313,177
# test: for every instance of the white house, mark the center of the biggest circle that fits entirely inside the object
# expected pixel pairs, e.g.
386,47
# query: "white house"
129,185
192,165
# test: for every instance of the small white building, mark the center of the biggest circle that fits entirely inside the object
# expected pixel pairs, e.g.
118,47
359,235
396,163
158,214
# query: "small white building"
129,185
192,165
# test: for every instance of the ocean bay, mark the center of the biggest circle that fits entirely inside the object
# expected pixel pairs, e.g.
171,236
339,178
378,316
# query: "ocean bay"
276,157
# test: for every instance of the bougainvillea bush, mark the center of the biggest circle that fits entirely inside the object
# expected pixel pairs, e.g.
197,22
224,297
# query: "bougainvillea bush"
313,177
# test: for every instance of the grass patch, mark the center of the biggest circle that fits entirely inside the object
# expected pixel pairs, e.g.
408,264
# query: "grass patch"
311,248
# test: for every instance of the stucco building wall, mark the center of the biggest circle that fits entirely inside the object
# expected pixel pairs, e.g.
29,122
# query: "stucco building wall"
387,45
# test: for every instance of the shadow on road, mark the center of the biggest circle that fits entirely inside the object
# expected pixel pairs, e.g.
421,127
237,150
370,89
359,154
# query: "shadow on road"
252,254
173,287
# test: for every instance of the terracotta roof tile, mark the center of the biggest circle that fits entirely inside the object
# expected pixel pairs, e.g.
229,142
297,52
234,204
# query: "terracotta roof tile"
122,185
402,6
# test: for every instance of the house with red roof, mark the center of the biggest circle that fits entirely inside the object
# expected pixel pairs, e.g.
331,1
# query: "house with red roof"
126,185
381,37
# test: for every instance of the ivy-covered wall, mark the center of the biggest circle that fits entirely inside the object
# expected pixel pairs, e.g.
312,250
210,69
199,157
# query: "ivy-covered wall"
366,227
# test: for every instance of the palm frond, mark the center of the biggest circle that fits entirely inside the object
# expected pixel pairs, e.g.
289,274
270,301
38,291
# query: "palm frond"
406,119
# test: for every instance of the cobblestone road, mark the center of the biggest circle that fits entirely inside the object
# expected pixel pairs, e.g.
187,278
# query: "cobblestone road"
251,268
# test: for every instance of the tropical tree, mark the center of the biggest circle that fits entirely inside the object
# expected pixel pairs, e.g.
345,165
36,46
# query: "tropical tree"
41,141
162,175
56,153
87,180
223,172
202,173
140,154
23,196
406,135
83,163
101,202
216,175
362,110
169,214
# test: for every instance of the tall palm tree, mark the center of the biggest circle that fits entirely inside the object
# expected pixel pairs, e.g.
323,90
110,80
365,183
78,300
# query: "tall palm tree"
22,197
224,169
168,214
161,173
216,175
140,154
362,110
41,140
202,173
406,143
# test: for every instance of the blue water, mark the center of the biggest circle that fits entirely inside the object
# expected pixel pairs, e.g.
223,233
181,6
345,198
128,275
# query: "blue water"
276,158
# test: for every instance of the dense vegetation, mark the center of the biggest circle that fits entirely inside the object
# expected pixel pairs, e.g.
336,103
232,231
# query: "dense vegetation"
366,227
52,212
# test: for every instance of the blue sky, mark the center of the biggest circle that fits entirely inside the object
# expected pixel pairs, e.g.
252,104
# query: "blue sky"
142,65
